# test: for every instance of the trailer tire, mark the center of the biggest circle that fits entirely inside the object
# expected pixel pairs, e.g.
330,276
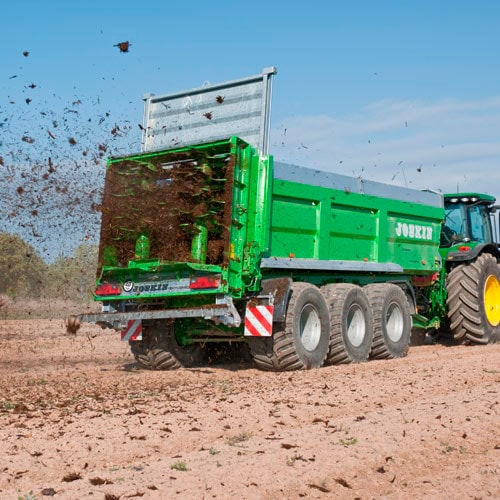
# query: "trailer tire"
159,349
261,349
301,342
391,321
474,301
351,324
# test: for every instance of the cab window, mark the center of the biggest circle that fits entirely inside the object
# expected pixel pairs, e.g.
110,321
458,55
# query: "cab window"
479,224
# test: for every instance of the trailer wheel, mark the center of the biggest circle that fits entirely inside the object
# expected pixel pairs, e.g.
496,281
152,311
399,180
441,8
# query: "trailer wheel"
474,301
159,349
351,324
391,320
301,342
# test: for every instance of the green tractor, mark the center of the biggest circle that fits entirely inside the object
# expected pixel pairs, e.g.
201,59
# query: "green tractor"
470,252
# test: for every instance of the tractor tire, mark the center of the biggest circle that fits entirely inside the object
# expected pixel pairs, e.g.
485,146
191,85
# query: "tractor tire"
351,324
391,321
301,342
159,349
474,301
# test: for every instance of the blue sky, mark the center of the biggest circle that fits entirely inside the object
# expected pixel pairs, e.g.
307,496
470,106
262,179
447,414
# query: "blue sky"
403,92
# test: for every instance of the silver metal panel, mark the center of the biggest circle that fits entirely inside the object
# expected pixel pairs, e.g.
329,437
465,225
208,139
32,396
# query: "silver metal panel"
198,312
294,173
206,114
328,265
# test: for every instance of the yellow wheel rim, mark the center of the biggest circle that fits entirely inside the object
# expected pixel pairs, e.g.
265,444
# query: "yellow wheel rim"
492,300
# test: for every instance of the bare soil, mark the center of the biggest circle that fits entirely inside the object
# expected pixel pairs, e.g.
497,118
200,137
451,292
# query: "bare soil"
79,420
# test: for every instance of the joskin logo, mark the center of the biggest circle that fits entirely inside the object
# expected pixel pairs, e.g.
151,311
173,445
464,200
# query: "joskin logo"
415,231
132,288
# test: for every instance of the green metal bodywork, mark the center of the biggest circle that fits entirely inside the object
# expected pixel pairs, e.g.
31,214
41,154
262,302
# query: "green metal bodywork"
278,218
313,222
238,274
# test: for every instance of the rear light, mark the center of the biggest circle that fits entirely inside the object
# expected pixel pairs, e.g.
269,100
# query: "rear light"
464,249
108,289
203,282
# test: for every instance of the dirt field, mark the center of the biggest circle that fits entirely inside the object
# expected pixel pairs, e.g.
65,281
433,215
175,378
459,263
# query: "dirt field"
78,420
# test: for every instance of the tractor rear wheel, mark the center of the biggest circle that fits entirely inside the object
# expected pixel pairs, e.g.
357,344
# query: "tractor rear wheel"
160,350
351,324
301,342
391,320
474,301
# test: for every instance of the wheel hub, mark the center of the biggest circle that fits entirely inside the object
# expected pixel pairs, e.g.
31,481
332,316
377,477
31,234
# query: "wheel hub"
356,325
394,322
310,327
492,300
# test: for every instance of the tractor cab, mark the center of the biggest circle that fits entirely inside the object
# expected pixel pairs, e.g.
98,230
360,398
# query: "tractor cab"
468,219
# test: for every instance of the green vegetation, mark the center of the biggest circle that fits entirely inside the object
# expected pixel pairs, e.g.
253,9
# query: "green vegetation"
28,496
179,466
22,270
34,382
447,448
25,275
140,395
348,441
485,370
72,277
239,438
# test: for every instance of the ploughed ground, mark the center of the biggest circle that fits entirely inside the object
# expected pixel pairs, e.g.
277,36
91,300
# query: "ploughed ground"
79,420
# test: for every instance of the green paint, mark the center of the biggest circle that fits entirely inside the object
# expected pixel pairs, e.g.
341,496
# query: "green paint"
142,247
270,218
199,244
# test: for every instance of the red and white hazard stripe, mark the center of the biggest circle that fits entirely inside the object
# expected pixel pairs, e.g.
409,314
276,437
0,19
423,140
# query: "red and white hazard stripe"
259,321
133,331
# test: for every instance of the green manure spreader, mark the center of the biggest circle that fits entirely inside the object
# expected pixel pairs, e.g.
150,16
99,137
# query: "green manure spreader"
205,239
